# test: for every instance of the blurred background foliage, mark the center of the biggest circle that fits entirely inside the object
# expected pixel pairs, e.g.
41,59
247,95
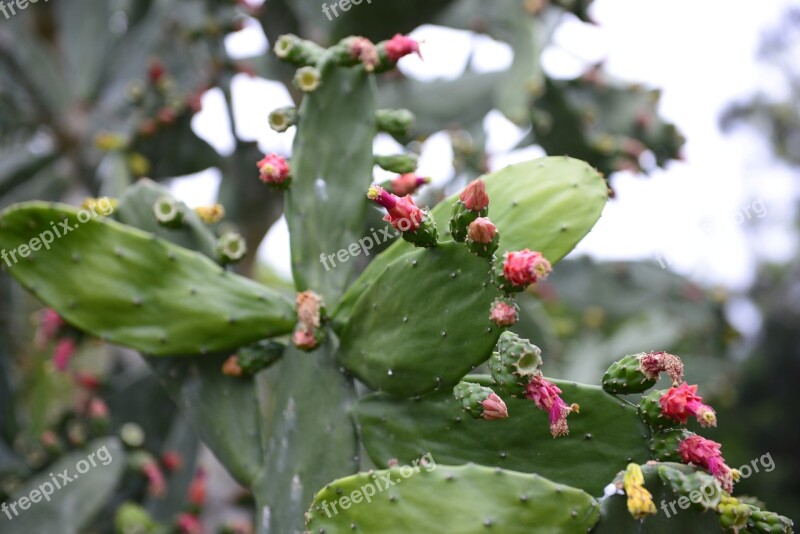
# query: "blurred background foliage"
97,94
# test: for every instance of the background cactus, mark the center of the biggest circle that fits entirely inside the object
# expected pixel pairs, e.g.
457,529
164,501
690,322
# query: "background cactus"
401,333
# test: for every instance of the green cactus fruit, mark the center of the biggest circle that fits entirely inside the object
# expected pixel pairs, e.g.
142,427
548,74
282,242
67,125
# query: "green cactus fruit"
395,122
514,362
392,341
480,402
733,514
297,51
604,438
231,247
482,237
282,119
764,521
664,444
702,489
426,498
217,310
168,212
636,373
400,164
650,411
472,203
426,235
251,359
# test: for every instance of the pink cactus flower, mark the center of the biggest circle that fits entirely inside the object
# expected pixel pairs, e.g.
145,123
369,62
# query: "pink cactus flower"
474,196
365,51
400,46
681,402
156,484
273,169
172,461
547,397
653,364
494,408
97,409
525,267
304,339
403,214
51,322
481,230
65,349
407,184
706,454
189,524
503,314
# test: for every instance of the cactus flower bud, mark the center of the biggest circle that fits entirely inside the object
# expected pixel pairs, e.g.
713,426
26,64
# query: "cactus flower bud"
520,269
546,396
480,402
681,402
274,170
707,454
474,196
197,489
168,212
231,247
305,339
365,51
482,237
640,501
400,46
307,79
413,222
231,366
65,350
188,524
408,183
210,214
172,461
505,312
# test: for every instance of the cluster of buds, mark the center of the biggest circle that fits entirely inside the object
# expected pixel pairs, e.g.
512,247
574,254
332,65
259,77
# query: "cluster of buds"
309,332
677,404
520,269
274,170
480,402
415,224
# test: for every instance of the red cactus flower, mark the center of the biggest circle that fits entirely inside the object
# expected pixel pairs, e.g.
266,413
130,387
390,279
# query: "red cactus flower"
494,408
400,46
197,489
654,363
172,461
474,196
156,484
189,524
547,397
525,267
407,184
273,169
403,214
503,314
481,230
65,349
365,51
706,454
681,402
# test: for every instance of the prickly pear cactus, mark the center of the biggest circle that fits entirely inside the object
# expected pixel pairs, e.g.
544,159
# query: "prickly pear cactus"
269,382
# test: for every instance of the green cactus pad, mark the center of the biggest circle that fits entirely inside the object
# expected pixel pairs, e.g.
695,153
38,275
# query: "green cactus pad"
604,437
615,518
547,204
431,499
423,324
514,363
129,287
625,376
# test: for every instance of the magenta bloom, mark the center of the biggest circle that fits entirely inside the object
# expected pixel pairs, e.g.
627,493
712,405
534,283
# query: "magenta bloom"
273,169
400,46
525,267
494,408
474,196
681,402
65,349
706,454
407,184
547,397
403,214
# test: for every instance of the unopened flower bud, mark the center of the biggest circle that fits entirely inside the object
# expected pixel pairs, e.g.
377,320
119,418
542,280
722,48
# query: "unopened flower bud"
482,237
480,402
274,170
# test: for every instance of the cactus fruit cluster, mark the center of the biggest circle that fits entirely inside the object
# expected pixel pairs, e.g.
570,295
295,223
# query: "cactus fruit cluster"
269,382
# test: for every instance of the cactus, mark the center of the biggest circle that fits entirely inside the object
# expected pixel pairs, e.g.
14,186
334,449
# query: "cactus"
284,414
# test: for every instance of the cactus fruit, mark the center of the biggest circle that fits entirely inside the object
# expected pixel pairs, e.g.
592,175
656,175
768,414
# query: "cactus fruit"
760,521
472,203
400,164
664,445
480,402
690,448
396,122
637,373
733,514
514,363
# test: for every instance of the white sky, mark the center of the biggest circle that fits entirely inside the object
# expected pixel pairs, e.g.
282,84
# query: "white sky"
693,216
